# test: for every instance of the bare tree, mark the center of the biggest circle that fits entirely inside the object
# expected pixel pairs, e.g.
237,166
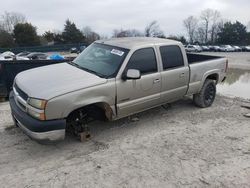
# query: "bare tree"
248,26
153,30
191,26
90,35
134,33
200,35
206,18
215,27
127,33
10,19
117,33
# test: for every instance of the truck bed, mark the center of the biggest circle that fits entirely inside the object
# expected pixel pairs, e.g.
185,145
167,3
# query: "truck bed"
198,58
203,65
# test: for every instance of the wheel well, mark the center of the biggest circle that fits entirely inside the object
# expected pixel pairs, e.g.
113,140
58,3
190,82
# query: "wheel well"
214,77
98,111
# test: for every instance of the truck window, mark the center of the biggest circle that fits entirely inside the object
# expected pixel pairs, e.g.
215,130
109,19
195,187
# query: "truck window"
101,59
171,57
143,60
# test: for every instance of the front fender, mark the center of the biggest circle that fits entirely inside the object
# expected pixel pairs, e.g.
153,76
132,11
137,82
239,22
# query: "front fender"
61,106
80,104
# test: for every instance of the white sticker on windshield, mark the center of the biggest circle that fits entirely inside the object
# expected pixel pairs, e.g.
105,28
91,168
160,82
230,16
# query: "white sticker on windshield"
117,52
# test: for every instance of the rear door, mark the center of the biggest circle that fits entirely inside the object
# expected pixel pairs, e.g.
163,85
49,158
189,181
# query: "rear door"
175,75
137,95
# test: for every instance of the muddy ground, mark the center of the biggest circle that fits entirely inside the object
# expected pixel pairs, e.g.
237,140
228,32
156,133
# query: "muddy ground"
181,146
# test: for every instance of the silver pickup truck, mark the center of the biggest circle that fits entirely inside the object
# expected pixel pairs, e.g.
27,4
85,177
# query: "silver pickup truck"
109,80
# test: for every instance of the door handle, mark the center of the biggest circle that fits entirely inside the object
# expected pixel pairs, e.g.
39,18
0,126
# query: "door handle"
156,81
182,75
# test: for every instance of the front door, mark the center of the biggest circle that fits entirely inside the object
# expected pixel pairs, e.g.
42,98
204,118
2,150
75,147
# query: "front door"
138,95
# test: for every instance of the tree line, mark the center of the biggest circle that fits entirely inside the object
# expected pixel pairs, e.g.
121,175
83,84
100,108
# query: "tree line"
207,28
15,30
210,28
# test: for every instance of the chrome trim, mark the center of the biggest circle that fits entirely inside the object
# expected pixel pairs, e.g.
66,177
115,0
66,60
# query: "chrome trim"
34,109
55,135
18,99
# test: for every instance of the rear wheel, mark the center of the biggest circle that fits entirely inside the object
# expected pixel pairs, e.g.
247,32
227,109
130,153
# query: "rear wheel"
206,96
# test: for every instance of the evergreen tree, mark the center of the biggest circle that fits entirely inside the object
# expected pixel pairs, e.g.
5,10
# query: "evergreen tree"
25,35
71,34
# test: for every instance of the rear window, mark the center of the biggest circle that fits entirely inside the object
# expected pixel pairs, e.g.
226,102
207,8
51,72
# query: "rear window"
171,57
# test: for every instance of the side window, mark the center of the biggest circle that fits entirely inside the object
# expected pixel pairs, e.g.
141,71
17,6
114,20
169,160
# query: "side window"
143,60
171,57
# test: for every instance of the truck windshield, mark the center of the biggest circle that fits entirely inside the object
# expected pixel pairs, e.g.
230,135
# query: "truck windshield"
101,59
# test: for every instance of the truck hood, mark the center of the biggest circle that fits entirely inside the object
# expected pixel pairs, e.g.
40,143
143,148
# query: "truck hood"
54,80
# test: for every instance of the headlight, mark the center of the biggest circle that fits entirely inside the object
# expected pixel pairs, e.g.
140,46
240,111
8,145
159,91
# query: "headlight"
37,103
37,115
37,108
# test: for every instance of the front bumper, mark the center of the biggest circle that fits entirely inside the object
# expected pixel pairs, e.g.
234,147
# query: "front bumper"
51,130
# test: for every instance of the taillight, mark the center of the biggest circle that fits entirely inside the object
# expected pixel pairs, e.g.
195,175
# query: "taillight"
226,67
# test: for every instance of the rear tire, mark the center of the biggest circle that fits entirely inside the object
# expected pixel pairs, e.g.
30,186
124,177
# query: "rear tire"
206,96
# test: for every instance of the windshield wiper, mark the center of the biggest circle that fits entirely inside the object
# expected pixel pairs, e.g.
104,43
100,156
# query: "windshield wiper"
88,70
94,72
74,64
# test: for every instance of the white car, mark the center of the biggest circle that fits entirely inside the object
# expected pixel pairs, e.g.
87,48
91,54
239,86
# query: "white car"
10,56
193,48
227,48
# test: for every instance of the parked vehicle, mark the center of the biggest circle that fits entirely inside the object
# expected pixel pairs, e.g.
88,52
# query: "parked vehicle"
193,48
109,80
23,54
205,48
74,50
82,48
37,56
237,48
245,48
226,48
215,48
7,56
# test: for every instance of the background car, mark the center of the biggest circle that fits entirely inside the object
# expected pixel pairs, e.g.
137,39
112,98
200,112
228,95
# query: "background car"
193,48
37,55
215,48
205,48
73,50
227,48
23,54
237,48
245,48
7,56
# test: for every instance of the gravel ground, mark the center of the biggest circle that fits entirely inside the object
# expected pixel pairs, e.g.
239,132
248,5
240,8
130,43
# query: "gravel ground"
181,146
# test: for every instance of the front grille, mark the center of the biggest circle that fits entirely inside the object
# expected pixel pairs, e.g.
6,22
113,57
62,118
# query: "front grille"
21,106
21,93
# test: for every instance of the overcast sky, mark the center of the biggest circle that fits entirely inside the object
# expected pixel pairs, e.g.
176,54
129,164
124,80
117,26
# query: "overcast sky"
105,15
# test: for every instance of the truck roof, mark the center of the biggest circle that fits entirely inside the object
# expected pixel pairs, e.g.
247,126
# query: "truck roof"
133,42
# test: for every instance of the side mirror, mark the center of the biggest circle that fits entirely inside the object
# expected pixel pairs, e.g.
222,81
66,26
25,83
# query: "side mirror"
132,74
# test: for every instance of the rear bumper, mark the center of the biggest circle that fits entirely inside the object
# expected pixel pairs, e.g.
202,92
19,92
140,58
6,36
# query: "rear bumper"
42,131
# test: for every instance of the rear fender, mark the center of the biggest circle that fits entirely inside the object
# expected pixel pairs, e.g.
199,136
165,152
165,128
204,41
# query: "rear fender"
215,76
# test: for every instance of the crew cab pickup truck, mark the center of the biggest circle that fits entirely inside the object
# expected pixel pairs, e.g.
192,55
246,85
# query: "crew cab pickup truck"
109,80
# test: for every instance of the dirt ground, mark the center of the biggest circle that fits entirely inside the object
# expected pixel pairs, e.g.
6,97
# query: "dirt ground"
181,146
